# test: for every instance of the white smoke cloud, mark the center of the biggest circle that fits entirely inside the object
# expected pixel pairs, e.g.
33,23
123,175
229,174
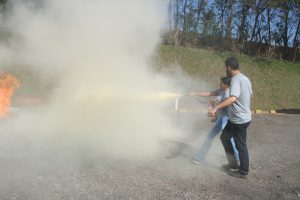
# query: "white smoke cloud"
98,51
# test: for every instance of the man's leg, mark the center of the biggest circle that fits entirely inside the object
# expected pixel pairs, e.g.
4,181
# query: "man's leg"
236,153
226,135
240,139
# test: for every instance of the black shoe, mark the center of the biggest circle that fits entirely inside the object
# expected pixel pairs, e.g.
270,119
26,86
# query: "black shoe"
229,167
237,174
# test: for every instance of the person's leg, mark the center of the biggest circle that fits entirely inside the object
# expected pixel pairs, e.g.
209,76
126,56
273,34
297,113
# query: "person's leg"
224,121
200,156
235,151
240,139
226,135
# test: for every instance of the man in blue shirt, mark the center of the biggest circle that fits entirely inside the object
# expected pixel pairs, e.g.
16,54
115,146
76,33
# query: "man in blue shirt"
220,122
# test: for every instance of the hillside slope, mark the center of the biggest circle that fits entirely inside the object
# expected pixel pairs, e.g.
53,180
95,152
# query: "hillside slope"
275,83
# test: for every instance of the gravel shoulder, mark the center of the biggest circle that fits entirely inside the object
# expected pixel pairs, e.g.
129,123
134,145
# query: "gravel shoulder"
273,142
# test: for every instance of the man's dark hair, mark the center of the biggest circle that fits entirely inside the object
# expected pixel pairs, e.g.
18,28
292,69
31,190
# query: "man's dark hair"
233,63
226,80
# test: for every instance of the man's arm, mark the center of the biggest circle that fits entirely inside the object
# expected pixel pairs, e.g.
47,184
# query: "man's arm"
202,94
223,104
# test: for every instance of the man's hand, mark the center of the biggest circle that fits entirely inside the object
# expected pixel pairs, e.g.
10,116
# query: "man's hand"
212,112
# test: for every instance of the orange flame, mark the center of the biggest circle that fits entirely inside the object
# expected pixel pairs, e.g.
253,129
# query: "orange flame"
8,83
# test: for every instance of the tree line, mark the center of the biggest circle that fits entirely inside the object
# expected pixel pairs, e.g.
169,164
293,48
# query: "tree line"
268,28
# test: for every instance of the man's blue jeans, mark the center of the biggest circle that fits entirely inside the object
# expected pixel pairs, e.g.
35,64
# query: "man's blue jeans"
214,131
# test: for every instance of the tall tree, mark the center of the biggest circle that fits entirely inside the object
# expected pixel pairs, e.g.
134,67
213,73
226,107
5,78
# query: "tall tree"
286,17
185,17
176,14
200,10
297,31
269,19
229,18
210,26
221,6
243,24
258,10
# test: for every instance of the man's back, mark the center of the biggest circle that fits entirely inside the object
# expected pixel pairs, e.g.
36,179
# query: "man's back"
240,87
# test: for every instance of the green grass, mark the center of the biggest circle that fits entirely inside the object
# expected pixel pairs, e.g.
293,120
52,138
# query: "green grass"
276,84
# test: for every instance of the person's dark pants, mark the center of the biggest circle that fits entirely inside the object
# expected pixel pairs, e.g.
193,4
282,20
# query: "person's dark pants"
239,134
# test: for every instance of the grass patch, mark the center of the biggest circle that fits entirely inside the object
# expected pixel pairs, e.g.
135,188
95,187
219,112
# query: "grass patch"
275,83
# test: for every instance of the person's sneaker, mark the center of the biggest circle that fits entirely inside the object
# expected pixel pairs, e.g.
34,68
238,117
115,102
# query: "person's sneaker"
237,174
195,161
229,167
199,161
